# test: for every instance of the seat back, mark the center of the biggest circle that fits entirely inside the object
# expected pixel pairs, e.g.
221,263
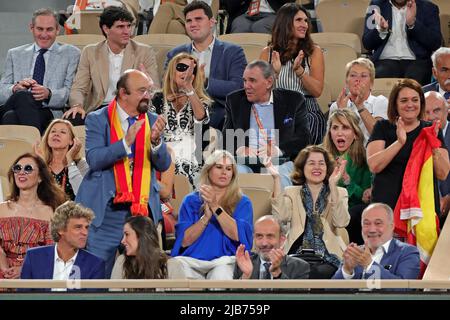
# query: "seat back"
80,40
257,39
344,38
4,188
444,17
255,180
80,133
261,201
162,44
182,187
438,266
325,98
383,86
336,57
10,149
342,15
17,132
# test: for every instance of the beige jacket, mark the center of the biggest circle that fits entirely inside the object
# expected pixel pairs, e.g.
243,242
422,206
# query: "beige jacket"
289,208
91,81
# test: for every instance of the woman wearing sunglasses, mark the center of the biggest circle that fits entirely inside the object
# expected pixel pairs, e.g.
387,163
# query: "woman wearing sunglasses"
60,149
184,103
25,216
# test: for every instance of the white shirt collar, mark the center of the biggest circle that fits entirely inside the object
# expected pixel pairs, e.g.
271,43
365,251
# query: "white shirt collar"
58,259
210,46
37,48
266,102
114,54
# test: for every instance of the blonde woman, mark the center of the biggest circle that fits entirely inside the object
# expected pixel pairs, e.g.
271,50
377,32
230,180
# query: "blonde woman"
60,150
184,103
213,222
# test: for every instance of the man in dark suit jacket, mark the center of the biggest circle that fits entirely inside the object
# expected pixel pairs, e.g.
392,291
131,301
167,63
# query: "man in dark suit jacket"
382,256
277,117
441,71
224,62
66,260
402,34
269,261
100,190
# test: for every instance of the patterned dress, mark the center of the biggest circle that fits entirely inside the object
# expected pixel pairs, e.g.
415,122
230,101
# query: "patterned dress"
63,177
180,134
287,79
18,234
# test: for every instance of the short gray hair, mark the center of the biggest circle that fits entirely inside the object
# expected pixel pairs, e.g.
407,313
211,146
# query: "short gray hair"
44,12
264,66
64,213
439,52
384,206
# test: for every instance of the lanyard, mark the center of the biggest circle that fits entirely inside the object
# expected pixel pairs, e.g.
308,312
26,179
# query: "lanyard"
261,127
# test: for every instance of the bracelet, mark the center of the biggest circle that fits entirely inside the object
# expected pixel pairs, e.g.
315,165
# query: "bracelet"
189,93
202,220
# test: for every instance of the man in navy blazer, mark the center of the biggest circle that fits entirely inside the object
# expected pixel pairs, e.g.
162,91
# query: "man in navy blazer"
401,35
224,62
382,256
66,260
98,188
37,79
441,71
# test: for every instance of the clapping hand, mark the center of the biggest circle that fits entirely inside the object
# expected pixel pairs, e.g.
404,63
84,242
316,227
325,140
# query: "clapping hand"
401,131
411,12
244,262
74,150
342,99
158,129
337,172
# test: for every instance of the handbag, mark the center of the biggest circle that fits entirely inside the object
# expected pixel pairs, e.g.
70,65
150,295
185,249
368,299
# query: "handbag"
309,256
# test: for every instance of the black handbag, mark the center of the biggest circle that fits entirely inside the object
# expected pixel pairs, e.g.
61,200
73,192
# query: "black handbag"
309,256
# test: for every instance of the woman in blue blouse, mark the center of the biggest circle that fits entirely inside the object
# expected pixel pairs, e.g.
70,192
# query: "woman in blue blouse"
213,222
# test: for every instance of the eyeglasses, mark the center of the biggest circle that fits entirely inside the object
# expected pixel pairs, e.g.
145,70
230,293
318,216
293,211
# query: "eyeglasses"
17,168
182,67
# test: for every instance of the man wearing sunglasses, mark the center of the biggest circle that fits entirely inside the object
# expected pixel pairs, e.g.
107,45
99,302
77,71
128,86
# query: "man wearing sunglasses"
37,78
123,150
102,64
222,62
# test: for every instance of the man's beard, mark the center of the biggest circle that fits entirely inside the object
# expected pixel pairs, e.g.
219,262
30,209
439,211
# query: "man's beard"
143,106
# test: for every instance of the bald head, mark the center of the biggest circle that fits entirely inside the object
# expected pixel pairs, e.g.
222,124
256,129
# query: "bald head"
133,91
435,107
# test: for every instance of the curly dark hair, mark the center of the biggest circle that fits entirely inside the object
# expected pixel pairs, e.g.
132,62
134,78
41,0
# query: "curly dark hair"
283,34
150,262
298,176
112,14
48,191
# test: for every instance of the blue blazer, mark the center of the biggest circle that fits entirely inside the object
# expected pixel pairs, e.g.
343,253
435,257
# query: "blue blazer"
434,86
423,39
402,261
39,264
59,73
98,186
227,68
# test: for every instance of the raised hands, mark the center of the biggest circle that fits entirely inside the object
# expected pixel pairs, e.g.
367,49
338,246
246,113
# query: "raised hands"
401,131
276,61
382,23
244,262
337,172
158,129
342,99
297,66
411,12
72,154
209,196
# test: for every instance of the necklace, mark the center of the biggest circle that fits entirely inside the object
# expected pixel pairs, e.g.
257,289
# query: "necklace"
29,210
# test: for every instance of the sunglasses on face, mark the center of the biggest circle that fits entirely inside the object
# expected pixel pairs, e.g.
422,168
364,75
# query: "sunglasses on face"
182,67
17,168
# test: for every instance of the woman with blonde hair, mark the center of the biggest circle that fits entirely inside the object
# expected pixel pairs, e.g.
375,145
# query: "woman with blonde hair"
184,103
345,141
60,149
213,222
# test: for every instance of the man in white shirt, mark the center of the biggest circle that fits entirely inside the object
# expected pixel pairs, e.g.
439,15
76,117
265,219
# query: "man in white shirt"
102,64
66,260
357,96
401,35
381,257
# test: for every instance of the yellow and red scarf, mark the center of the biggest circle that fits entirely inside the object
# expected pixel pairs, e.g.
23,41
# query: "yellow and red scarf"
126,191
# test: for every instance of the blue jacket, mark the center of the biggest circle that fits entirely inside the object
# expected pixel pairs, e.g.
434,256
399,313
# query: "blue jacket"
39,264
98,186
423,39
227,68
402,261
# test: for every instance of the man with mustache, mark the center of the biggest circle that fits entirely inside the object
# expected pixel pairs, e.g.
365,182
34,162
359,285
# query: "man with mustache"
270,261
382,256
123,150
401,35
441,71
66,259
101,64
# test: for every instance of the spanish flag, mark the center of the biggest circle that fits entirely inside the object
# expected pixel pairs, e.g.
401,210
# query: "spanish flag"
415,215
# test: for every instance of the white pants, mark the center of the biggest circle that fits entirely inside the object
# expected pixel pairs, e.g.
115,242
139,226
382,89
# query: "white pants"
217,269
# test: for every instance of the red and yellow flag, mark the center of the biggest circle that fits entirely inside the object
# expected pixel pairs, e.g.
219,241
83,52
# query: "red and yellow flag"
415,215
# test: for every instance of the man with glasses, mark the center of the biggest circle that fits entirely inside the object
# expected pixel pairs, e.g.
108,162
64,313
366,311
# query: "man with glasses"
102,64
37,77
124,148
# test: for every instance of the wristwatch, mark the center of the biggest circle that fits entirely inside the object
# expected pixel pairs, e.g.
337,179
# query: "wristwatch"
189,93
218,211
